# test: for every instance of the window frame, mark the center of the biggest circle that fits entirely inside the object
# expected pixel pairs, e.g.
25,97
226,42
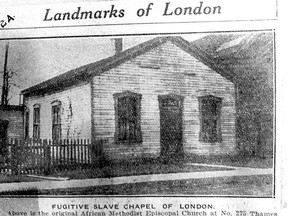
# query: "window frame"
26,122
217,117
57,124
138,97
36,121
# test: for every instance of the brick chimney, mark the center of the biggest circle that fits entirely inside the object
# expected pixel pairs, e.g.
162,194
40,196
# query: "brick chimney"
118,45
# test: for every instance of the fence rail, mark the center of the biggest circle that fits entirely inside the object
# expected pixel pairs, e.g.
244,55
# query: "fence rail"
42,156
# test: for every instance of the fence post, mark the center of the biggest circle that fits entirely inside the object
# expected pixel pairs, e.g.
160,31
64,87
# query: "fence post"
14,157
97,156
47,157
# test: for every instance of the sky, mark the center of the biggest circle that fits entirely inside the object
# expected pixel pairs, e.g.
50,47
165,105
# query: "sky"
36,60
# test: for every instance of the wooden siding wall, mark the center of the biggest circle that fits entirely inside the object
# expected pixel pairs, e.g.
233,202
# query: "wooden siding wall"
15,127
75,112
163,70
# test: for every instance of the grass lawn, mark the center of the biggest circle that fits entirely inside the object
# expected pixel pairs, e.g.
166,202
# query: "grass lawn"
7,178
149,166
245,185
153,166
238,161
134,168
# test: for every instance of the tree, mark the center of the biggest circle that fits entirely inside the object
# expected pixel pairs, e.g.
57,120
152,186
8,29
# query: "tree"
8,80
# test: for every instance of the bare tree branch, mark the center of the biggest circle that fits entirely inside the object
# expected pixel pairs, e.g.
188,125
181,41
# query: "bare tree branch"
11,76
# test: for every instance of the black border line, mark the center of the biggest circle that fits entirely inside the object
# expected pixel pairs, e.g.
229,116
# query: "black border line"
273,196
138,196
147,23
133,34
274,111
277,13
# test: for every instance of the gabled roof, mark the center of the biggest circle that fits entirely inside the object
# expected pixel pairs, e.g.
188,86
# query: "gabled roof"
85,72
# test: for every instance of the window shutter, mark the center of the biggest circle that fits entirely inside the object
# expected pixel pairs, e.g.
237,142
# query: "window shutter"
56,120
201,133
219,132
138,119
210,115
127,117
36,121
27,115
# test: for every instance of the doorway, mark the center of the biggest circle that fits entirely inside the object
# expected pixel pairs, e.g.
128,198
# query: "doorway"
171,133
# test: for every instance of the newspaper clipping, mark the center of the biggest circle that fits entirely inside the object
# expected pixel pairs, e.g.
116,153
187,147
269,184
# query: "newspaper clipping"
149,108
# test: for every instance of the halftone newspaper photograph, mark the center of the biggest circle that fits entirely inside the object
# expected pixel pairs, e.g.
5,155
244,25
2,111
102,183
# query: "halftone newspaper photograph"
176,114
113,108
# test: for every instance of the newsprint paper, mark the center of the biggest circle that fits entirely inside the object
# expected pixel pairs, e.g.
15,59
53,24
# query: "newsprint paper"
148,108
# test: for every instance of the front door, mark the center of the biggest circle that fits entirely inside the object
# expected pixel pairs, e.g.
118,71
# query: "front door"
171,126
3,137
